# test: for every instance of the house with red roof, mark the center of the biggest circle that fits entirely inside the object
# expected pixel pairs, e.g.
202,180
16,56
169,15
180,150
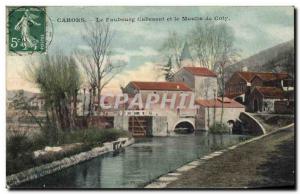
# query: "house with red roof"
237,84
143,87
209,111
272,80
265,98
167,90
201,80
240,83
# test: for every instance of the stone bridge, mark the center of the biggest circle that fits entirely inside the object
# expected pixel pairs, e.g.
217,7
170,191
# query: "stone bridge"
251,124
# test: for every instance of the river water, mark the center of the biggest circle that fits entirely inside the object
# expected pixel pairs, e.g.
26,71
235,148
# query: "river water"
138,164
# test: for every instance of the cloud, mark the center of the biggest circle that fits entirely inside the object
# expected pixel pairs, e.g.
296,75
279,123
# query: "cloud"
142,51
124,58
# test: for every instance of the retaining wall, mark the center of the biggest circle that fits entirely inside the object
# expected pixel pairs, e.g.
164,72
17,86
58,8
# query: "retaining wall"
46,169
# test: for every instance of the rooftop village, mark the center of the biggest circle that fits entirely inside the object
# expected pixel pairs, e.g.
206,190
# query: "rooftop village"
259,92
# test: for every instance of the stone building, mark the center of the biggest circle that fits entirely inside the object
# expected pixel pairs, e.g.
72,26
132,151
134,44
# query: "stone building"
278,80
37,102
240,82
201,80
237,84
210,111
263,98
155,120
145,88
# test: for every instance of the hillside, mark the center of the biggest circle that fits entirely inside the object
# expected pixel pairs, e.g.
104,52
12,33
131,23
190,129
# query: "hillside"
11,93
275,59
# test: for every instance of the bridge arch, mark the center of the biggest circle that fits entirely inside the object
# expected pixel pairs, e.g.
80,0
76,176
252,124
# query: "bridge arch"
184,126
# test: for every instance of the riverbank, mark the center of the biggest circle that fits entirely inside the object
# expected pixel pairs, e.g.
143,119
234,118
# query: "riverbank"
268,161
46,169
25,151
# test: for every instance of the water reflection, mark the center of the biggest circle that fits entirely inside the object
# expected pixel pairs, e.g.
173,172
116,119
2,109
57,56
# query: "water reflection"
138,164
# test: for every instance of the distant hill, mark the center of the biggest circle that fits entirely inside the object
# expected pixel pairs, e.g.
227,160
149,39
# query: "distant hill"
11,93
275,59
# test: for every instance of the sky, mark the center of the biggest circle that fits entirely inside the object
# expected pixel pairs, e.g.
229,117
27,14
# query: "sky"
138,43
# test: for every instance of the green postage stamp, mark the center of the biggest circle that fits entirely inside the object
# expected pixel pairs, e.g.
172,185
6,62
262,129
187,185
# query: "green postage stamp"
27,29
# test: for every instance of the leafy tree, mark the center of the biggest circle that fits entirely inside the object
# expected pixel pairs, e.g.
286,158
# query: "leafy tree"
58,79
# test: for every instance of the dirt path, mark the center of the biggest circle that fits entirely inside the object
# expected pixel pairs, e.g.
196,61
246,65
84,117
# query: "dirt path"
267,162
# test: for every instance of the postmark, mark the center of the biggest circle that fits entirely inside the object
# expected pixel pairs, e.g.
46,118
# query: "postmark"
29,30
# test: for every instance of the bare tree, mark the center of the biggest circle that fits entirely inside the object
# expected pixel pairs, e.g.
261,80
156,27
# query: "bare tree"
96,62
227,54
208,42
207,88
171,48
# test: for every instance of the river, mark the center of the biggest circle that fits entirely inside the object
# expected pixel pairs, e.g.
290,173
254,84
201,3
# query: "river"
138,164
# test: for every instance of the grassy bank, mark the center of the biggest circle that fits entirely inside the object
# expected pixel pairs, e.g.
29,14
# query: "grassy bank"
273,121
266,163
20,147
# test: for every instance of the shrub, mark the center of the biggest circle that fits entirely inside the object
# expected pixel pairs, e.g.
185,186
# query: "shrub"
219,128
18,149
17,143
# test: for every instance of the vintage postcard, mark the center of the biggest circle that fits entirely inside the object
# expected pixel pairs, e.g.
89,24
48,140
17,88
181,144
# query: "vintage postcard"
120,97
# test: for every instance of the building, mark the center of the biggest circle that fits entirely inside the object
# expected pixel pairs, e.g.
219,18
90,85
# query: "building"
237,85
145,88
37,102
211,110
185,57
155,120
167,89
201,80
279,80
264,98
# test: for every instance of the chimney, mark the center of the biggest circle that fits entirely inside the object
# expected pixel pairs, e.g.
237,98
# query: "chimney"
245,68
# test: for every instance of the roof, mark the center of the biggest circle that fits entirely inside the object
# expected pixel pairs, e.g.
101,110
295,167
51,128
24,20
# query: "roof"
271,92
272,76
266,76
247,76
200,71
228,103
167,86
185,54
234,95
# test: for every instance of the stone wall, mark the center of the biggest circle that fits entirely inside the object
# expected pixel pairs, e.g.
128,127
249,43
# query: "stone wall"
159,126
284,107
121,122
46,169
205,118
184,76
